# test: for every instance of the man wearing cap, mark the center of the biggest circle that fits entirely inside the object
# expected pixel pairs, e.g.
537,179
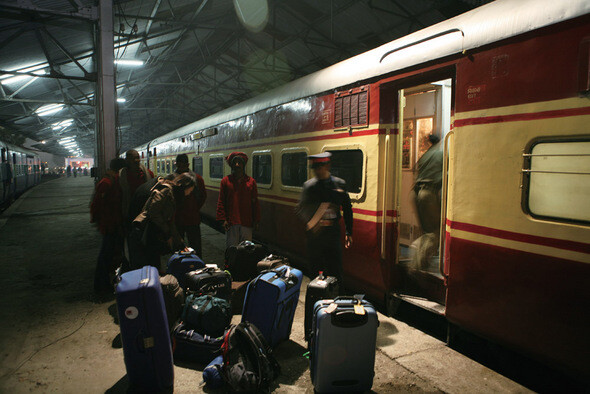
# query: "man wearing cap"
321,200
238,207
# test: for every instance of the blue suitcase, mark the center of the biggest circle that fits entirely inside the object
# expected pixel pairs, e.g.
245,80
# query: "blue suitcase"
270,302
182,262
144,330
342,345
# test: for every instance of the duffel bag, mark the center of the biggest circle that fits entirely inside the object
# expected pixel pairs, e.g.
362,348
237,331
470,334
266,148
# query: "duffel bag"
206,314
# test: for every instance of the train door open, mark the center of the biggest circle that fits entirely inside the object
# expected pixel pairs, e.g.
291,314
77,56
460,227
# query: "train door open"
425,119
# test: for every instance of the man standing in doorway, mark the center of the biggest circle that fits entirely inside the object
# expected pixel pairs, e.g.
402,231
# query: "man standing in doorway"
322,199
238,207
188,216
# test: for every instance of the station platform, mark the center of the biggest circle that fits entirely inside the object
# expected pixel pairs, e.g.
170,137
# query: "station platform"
56,336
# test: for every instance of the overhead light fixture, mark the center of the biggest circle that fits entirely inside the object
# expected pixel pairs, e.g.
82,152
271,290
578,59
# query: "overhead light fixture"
129,62
8,79
49,109
43,142
62,125
121,100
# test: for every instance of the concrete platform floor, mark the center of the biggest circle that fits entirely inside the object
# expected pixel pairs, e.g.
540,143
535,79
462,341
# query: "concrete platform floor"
55,336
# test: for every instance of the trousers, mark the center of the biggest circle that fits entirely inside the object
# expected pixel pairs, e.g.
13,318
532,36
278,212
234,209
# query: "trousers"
193,235
325,251
236,234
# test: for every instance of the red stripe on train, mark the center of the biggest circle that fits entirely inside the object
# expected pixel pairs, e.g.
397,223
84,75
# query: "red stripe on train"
560,113
520,237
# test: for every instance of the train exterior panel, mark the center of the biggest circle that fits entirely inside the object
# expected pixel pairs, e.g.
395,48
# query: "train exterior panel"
20,169
513,110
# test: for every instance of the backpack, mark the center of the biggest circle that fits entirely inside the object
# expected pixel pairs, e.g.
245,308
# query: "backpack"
248,362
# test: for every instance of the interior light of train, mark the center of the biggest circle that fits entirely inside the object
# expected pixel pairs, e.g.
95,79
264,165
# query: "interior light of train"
196,136
129,62
48,109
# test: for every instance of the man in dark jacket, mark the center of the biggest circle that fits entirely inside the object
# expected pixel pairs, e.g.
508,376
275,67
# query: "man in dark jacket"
188,216
321,200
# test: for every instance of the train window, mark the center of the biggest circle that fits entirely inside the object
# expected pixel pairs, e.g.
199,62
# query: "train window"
216,167
348,165
351,108
556,180
262,168
168,167
198,165
294,169
158,170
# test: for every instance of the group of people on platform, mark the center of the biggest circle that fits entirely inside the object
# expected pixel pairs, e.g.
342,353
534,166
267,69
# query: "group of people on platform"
152,216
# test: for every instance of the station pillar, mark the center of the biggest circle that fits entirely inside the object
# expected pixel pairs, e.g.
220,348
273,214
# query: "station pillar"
106,139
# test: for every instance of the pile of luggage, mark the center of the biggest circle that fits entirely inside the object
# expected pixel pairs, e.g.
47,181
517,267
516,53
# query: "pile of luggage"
186,315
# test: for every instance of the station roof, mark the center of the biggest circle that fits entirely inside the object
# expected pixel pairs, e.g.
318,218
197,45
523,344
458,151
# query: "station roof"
198,58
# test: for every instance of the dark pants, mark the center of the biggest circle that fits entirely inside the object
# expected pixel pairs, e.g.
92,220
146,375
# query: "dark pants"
112,243
325,251
428,207
140,255
193,234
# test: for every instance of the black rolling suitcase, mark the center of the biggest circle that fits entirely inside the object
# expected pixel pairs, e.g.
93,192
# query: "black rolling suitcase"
321,288
209,280
144,330
241,260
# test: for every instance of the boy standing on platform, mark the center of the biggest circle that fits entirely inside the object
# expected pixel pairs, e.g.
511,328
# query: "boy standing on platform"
238,207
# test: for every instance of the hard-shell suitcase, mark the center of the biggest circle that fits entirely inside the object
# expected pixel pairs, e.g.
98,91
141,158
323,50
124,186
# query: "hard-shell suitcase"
173,298
271,300
182,262
144,330
209,280
241,260
189,345
271,261
346,327
321,288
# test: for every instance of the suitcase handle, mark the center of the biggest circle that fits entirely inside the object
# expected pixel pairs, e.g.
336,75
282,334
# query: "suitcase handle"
347,318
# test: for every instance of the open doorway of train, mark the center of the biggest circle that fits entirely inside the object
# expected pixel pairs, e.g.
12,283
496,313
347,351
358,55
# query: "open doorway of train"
426,118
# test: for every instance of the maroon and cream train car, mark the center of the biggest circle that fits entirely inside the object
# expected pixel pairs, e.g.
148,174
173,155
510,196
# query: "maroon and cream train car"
506,88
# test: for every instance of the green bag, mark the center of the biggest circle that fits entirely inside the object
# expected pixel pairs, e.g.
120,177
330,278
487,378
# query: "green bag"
207,315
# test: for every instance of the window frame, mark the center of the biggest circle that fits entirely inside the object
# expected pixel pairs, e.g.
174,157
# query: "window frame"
353,196
213,156
526,177
195,157
272,172
297,149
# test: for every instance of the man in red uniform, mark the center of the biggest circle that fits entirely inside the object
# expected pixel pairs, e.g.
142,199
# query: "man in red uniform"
105,211
188,216
130,178
238,207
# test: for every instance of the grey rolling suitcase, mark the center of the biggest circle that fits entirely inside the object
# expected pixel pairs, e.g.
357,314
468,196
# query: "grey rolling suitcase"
342,345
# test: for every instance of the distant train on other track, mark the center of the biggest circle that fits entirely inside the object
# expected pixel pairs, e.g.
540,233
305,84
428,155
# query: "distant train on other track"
20,169
506,87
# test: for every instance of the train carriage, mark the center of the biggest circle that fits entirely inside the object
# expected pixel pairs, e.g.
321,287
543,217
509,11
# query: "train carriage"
506,86
25,167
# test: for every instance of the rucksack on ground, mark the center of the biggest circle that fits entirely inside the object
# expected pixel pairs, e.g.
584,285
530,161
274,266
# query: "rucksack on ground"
248,362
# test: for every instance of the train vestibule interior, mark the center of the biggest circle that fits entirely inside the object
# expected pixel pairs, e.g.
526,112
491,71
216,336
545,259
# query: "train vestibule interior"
426,113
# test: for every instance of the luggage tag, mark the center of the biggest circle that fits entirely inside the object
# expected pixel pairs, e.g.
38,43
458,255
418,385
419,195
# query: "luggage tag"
359,309
331,308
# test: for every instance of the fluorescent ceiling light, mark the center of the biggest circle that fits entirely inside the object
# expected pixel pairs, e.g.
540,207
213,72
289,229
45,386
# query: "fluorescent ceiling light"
129,62
49,109
121,100
63,124
8,79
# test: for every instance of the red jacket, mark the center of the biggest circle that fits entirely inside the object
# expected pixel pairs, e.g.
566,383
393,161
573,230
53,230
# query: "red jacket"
189,213
238,201
105,208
